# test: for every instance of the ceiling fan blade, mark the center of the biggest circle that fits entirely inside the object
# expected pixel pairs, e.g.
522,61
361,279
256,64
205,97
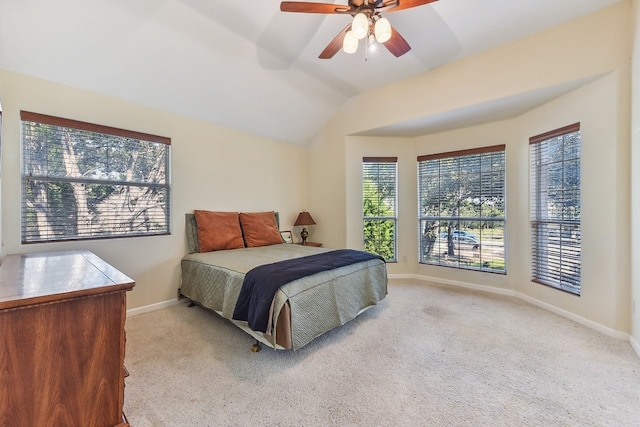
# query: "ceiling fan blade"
397,44
335,45
304,7
407,4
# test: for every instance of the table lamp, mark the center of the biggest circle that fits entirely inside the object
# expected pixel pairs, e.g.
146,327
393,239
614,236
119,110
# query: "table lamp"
304,218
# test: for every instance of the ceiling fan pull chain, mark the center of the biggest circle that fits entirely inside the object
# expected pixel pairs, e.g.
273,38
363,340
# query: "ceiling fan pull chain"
366,51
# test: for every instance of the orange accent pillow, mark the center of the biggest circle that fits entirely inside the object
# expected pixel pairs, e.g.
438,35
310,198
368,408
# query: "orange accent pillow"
218,230
260,229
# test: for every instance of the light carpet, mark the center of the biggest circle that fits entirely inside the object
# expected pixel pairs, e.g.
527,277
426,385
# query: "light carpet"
427,355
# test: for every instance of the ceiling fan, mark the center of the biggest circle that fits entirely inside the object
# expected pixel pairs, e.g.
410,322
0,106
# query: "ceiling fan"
367,23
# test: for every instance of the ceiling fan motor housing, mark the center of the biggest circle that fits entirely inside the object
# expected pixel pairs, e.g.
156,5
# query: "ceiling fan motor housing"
374,3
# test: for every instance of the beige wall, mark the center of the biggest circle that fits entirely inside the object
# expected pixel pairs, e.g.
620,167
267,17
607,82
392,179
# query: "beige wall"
594,49
605,194
635,180
212,168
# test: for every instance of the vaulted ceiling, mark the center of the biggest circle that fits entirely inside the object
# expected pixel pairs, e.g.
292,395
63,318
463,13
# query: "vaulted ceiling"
245,64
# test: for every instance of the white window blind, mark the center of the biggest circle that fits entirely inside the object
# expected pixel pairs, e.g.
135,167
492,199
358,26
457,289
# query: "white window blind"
87,181
379,211
461,209
555,208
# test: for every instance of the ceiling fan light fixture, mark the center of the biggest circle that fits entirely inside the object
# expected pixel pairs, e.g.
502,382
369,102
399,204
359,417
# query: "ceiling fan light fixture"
350,42
360,26
383,30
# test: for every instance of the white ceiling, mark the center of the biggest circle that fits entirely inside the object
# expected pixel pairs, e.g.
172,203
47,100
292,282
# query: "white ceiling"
246,65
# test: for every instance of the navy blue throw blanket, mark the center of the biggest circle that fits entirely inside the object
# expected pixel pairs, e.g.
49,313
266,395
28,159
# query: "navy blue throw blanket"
261,283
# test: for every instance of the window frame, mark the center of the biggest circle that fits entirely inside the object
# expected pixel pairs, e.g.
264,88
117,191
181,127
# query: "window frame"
429,228
544,224
394,218
49,178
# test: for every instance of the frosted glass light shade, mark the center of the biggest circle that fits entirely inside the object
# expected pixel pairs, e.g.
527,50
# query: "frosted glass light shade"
383,30
350,42
360,26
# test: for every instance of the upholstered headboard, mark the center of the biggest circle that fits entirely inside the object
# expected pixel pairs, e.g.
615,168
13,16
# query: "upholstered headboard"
193,244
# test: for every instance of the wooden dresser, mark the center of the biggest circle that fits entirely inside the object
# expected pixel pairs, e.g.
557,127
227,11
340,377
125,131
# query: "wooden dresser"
62,340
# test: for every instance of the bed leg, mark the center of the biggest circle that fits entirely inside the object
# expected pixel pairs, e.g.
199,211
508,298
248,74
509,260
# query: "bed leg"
191,304
256,347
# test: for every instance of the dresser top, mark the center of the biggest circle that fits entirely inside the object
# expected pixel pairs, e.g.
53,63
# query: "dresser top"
51,276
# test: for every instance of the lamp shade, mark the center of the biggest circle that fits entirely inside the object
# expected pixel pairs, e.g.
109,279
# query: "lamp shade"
350,42
383,30
360,26
304,218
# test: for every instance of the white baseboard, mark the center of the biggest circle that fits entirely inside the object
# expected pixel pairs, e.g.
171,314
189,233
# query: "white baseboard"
578,319
152,307
401,276
467,285
635,344
561,312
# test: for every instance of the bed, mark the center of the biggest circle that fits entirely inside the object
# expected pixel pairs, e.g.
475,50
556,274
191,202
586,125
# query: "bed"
301,309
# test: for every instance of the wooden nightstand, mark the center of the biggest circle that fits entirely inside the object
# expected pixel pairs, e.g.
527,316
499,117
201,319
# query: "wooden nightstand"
313,244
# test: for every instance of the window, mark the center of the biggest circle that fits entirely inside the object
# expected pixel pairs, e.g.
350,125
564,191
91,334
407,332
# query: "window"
86,181
555,208
379,210
461,209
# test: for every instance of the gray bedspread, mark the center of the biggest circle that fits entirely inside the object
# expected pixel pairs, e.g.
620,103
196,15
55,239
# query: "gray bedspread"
318,303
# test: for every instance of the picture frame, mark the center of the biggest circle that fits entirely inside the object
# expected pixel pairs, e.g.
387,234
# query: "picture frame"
287,236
